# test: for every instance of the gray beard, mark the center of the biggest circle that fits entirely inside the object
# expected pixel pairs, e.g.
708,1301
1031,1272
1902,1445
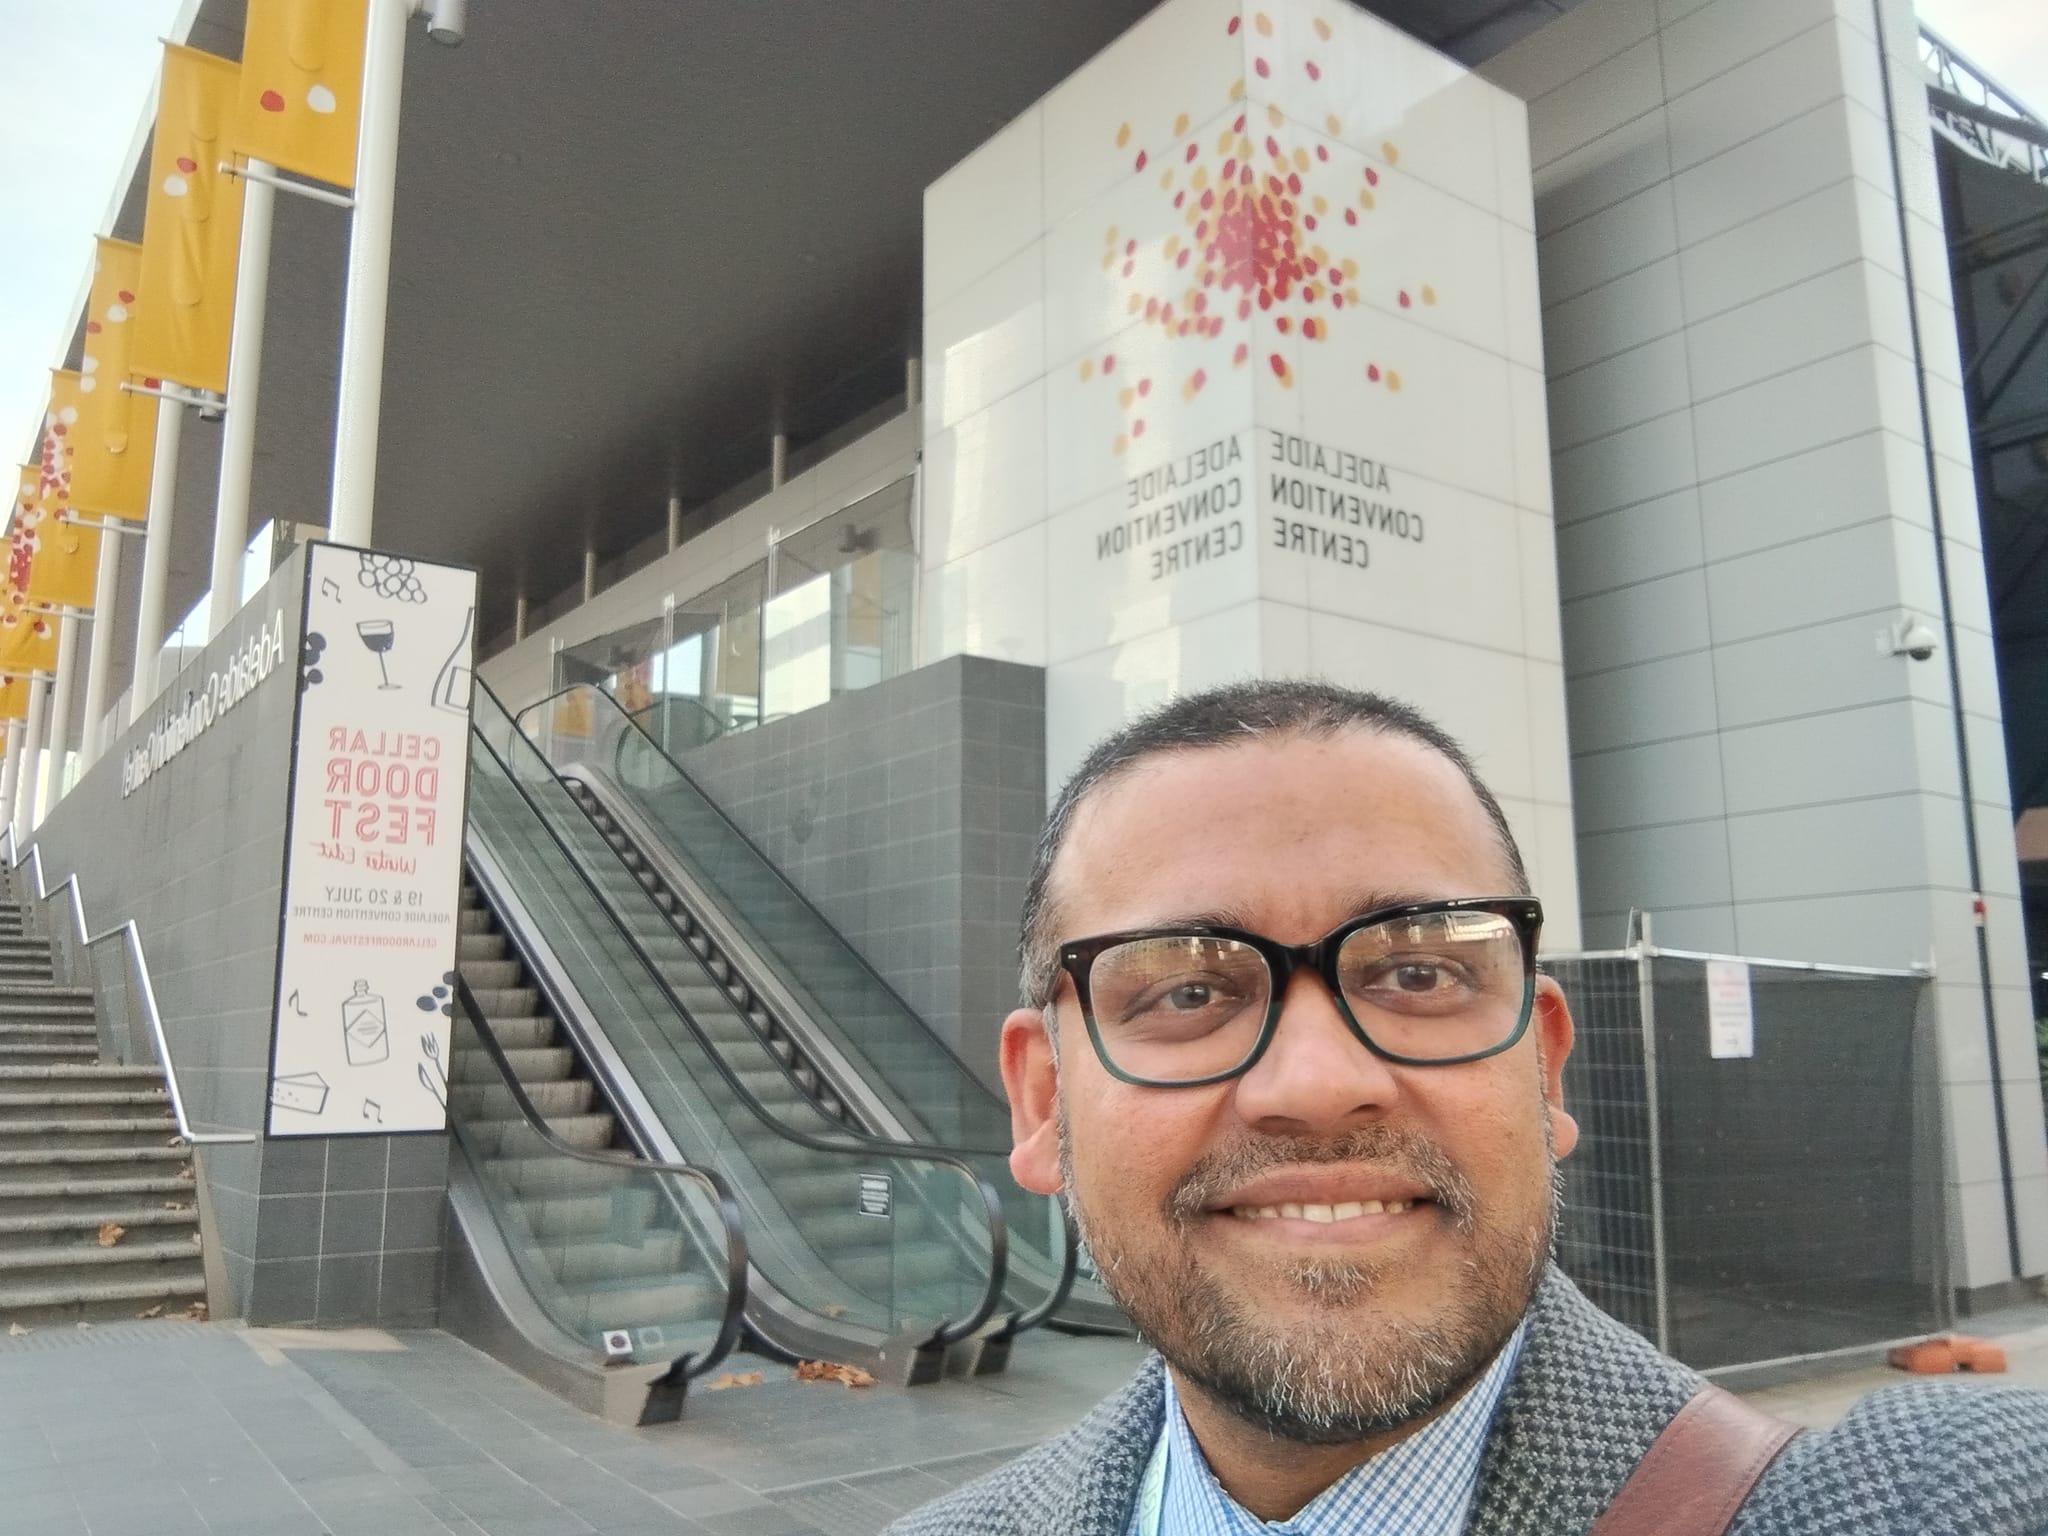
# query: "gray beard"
1350,1375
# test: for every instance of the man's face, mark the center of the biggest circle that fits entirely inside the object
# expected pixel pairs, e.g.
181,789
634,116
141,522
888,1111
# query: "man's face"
1320,1331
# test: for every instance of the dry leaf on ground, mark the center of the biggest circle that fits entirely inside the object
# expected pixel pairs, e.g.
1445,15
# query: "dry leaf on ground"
733,1379
833,1309
196,1312
16,1331
111,1233
155,1311
830,1370
188,1173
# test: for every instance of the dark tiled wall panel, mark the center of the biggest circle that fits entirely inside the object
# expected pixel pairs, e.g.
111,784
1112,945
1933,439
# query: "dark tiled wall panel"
907,813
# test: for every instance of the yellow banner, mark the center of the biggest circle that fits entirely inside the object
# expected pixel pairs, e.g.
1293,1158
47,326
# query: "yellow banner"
28,640
192,227
62,558
300,100
64,564
13,697
115,438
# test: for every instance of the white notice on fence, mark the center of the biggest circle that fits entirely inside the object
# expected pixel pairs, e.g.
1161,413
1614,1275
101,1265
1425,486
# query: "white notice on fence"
373,872
1731,1020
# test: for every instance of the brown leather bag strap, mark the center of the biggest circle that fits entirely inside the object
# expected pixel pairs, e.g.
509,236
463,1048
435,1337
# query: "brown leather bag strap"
1699,1470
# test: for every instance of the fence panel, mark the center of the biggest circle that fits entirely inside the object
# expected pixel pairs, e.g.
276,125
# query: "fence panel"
1743,1208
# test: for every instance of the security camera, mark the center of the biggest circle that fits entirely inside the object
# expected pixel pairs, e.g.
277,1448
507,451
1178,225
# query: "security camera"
1909,638
447,21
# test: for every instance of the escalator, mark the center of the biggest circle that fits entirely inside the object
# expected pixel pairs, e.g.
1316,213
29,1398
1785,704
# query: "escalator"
563,1234
860,1054
861,1250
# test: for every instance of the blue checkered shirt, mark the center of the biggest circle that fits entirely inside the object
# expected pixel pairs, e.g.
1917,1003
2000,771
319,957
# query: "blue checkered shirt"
1420,1487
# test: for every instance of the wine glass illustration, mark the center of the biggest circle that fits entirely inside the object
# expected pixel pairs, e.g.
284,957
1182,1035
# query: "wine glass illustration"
377,635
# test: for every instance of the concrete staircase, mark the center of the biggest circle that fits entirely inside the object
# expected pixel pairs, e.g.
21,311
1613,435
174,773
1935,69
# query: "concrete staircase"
84,1149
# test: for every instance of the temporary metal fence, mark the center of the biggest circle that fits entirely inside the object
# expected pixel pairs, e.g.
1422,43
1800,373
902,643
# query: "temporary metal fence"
1759,1173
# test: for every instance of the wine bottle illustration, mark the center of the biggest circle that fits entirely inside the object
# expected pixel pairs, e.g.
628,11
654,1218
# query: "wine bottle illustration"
453,684
363,1027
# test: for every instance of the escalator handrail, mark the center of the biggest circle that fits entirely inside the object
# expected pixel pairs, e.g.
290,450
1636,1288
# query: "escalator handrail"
992,1208
731,1324
668,701
773,868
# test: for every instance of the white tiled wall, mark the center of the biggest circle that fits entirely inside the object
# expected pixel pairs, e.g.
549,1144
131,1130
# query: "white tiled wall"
1051,391
1742,505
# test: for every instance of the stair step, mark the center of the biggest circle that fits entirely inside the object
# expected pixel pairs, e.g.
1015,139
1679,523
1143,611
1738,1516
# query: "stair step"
85,1135
44,1302
84,1156
17,1261
541,1066
27,1033
32,1197
587,1133
491,975
87,1223
48,1052
13,1102
78,1072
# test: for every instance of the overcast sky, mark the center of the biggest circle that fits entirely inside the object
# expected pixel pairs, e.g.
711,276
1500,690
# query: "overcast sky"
75,76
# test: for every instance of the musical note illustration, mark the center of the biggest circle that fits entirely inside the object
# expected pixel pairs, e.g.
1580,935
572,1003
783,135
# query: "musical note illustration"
374,1111
329,587
293,1001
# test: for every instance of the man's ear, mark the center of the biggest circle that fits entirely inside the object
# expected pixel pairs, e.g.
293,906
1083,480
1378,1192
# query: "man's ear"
1552,1022
1031,1076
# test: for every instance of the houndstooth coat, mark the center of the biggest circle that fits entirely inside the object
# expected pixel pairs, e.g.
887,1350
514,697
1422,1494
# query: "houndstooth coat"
1587,1399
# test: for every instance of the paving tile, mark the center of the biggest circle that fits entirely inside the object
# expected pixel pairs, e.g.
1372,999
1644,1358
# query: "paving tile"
760,1522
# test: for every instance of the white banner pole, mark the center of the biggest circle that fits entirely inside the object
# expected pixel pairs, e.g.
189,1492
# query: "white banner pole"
60,702
156,557
10,772
31,758
238,432
351,511
100,660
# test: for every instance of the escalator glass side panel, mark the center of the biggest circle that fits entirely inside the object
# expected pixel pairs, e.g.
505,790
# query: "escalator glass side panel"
601,1244
856,1235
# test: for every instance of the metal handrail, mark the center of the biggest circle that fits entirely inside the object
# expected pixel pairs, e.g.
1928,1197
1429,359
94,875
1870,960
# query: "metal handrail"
131,936
946,1332
685,1366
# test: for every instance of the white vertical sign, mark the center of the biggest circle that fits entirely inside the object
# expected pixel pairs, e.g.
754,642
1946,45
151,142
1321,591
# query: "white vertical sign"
1731,1016
373,866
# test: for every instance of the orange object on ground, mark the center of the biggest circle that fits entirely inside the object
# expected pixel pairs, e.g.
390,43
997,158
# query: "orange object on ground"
1948,1354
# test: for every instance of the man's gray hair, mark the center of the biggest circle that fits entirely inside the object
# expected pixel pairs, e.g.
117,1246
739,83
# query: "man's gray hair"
1222,717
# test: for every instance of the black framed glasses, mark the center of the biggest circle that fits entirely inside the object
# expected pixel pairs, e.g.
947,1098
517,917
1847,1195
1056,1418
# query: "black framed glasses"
1430,983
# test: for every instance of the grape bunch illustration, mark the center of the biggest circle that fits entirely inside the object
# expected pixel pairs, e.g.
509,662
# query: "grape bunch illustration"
437,1001
392,576
309,660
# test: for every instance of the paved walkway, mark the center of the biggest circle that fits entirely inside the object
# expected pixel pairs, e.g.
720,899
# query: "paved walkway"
182,1429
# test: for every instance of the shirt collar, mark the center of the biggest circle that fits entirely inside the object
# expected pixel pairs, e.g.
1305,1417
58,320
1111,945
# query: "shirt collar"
1421,1486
